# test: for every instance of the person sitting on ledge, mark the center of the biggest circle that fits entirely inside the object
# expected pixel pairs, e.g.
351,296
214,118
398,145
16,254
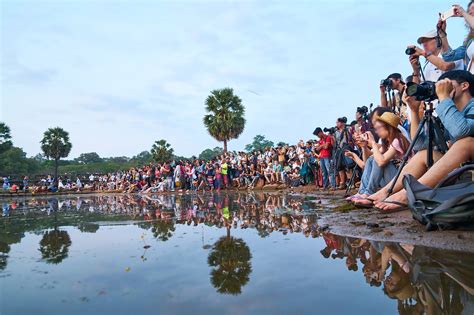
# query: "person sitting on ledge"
455,90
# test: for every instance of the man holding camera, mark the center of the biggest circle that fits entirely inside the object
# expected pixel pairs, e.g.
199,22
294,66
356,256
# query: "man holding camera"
455,90
324,146
434,65
393,87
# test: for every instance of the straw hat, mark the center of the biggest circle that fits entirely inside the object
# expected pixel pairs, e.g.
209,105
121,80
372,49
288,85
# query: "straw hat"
390,119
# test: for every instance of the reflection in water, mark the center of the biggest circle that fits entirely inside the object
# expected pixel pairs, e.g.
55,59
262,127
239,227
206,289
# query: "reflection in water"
421,280
54,246
230,258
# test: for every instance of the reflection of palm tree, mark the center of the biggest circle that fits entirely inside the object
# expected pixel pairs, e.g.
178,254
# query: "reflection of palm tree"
54,246
231,258
163,229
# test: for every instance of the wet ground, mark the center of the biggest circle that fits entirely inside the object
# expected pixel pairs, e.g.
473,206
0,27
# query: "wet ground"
237,253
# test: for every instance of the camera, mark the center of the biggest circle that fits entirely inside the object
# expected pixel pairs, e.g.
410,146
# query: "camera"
363,110
410,51
425,91
331,130
386,82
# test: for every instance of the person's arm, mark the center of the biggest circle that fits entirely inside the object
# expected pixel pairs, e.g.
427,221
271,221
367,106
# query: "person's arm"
456,123
355,158
381,159
437,61
415,64
460,12
414,106
383,97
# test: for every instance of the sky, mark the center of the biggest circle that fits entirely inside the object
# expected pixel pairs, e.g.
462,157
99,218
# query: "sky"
118,75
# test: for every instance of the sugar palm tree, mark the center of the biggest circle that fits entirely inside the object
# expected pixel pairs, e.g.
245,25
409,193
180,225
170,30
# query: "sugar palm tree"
161,151
225,119
55,145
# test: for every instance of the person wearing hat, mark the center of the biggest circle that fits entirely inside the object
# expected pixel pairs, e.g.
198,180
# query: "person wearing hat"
455,91
434,65
379,168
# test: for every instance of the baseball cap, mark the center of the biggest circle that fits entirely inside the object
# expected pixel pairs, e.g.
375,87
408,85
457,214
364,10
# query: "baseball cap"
431,34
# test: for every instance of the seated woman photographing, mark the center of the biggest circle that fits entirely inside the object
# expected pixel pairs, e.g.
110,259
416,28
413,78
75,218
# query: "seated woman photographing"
380,167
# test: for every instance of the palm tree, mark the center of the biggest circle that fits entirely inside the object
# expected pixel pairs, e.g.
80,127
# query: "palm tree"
225,119
55,145
161,151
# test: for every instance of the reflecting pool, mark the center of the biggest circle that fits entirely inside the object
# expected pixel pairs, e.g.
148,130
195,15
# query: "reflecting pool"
236,253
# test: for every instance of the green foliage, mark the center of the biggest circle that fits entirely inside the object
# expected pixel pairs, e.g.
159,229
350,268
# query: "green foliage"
5,142
55,143
142,158
161,151
225,119
87,158
14,162
54,246
210,154
259,144
230,258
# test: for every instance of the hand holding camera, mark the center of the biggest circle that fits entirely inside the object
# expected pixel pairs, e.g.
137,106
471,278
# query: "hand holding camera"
458,11
413,104
444,89
413,50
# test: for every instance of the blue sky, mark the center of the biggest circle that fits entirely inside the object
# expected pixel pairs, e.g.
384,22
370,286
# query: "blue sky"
118,75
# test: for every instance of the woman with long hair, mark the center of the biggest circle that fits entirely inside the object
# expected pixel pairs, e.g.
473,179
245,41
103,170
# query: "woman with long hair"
380,168
466,51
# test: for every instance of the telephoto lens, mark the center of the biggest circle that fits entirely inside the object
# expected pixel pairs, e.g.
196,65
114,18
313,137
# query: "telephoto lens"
410,51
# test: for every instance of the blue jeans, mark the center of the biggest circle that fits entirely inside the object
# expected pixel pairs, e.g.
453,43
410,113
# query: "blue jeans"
327,171
375,177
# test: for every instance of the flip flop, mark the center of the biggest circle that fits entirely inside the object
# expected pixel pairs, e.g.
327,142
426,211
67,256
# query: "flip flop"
401,207
360,204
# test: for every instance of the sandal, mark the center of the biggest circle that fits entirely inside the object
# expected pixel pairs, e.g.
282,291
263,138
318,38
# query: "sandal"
401,207
363,203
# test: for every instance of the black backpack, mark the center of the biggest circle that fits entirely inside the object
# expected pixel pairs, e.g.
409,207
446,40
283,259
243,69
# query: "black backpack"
447,206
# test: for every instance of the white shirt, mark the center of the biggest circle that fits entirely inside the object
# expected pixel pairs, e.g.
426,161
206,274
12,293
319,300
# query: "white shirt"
470,54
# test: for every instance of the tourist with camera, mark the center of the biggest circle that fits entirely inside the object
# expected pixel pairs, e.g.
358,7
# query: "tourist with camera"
380,167
466,51
434,65
455,90
324,146
341,162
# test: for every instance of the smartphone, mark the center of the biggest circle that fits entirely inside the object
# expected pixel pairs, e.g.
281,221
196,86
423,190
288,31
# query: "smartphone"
447,14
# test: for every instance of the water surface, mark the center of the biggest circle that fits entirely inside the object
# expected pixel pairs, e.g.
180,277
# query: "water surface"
247,253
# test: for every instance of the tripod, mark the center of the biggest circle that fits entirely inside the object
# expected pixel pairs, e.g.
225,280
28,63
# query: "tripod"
434,132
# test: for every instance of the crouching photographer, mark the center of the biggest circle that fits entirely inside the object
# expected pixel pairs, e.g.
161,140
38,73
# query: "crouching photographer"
455,90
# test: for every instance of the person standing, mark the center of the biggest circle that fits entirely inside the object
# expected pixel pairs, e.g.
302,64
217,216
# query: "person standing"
324,146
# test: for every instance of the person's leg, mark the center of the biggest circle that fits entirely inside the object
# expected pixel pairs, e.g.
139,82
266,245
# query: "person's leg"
325,167
416,166
461,151
364,181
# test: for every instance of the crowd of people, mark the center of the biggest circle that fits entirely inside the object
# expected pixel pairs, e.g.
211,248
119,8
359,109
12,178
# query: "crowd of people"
365,153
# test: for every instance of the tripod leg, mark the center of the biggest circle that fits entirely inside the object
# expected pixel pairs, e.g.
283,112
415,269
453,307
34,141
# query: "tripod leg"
351,181
407,155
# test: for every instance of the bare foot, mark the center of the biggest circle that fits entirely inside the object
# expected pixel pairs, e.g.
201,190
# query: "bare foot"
394,202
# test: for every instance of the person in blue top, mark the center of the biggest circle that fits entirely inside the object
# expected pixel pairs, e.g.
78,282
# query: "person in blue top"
455,90
466,51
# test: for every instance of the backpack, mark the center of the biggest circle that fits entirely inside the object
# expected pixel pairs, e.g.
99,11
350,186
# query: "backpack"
447,206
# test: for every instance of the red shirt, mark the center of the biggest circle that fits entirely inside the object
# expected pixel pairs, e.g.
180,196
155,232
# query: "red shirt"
325,153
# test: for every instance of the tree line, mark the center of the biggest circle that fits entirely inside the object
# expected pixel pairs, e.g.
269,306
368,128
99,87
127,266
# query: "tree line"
224,120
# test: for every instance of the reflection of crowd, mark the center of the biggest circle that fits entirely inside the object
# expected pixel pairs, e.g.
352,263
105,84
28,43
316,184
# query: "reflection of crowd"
265,212
422,280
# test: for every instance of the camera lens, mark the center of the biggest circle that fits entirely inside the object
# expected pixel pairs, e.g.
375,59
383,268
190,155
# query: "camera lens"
410,51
